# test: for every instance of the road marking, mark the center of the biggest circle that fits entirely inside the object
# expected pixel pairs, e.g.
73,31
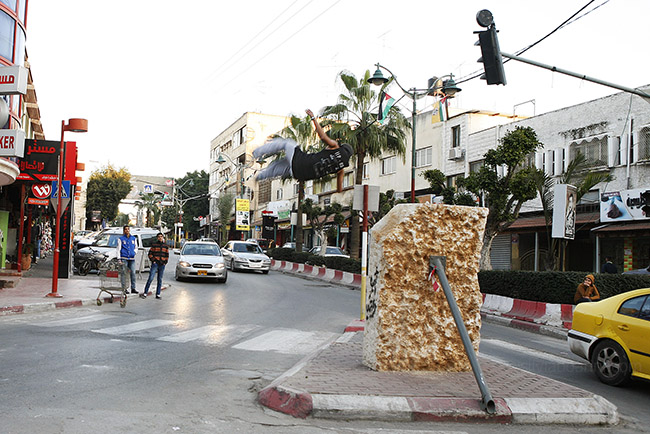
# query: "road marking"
211,334
286,341
73,321
134,327
530,352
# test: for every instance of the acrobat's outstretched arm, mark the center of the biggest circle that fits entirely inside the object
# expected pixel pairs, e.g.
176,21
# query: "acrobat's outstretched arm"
331,143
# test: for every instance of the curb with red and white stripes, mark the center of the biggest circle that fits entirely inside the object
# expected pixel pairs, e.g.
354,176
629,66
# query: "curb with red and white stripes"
547,318
320,273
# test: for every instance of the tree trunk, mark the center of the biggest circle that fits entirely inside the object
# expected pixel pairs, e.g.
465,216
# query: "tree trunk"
488,236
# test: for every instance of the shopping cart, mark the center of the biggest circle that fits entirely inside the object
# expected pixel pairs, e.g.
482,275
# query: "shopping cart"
111,276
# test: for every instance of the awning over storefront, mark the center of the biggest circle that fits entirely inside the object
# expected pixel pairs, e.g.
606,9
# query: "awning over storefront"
622,227
538,221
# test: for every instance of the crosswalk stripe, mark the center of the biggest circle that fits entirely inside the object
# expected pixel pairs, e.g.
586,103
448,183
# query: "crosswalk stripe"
286,341
530,352
134,327
211,334
73,321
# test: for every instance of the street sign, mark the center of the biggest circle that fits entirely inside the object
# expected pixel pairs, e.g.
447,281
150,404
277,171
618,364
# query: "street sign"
373,198
66,189
13,80
12,143
41,191
242,215
148,188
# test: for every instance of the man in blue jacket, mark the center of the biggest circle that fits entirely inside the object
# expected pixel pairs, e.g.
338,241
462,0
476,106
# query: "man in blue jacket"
126,248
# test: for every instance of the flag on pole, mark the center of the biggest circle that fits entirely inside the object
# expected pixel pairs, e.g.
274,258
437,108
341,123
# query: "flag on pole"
385,103
440,111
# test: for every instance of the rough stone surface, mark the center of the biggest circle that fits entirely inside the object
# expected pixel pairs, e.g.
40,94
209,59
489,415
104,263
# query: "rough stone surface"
409,326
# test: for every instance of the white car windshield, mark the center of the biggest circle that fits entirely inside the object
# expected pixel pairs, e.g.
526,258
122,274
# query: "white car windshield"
201,250
247,248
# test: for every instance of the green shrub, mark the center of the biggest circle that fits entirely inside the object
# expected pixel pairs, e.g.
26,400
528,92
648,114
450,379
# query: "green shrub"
554,286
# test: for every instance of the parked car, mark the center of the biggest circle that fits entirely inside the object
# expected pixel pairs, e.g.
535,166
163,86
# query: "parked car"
107,240
289,245
264,243
613,335
201,260
244,255
639,271
329,251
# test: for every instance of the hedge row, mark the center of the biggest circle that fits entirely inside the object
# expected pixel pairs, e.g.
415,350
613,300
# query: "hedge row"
554,286
337,263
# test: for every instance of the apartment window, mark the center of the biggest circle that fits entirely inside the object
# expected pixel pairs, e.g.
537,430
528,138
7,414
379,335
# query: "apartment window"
388,165
644,144
423,157
278,194
296,189
594,150
366,167
455,136
348,179
239,137
475,166
452,181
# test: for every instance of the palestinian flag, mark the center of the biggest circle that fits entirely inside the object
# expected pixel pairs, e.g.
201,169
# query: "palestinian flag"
440,111
385,103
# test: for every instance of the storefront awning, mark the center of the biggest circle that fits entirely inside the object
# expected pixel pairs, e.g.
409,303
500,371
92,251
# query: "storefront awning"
538,221
622,227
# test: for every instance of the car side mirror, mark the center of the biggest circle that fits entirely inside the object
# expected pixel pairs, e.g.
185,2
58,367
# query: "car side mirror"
177,252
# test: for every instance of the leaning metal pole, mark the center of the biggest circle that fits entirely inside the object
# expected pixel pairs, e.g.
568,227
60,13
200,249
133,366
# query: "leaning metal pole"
487,404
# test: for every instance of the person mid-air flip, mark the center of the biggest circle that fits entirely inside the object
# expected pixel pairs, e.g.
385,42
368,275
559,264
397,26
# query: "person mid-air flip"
301,165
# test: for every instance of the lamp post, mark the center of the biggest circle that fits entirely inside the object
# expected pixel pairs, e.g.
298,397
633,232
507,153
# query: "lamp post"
74,125
177,230
436,86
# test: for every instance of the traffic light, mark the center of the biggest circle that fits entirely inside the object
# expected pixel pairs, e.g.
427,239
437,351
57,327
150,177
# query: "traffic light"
490,52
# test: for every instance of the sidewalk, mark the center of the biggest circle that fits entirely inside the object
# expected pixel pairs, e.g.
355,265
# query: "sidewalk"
28,293
333,383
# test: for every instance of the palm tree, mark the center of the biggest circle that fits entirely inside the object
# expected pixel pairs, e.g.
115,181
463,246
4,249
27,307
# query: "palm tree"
302,132
353,122
150,202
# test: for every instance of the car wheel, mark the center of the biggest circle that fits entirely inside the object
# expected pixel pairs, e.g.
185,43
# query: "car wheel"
232,265
176,276
84,268
610,363
223,280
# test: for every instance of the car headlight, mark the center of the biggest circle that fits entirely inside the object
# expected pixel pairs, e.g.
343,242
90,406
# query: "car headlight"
219,266
184,264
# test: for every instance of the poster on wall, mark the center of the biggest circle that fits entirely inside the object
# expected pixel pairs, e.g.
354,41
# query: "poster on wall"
564,211
625,205
242,215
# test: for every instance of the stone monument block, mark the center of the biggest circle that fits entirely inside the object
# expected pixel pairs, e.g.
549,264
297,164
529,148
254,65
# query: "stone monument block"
409,325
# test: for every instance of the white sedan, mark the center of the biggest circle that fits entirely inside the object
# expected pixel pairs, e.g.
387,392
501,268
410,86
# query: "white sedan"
243,255
330,251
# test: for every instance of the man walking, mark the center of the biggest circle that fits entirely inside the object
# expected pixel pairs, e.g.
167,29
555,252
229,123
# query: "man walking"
158,255
126,248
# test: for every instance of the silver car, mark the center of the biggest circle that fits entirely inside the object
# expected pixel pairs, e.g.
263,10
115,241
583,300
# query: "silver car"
243,255
201,260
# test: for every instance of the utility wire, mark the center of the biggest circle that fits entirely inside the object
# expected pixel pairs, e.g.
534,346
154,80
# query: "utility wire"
565,23
251,40
263,40
281,43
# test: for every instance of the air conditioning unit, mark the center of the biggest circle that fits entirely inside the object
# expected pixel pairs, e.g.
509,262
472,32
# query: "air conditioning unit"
456,153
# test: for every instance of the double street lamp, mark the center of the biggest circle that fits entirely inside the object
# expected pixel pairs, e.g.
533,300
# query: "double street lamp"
74,125
436,86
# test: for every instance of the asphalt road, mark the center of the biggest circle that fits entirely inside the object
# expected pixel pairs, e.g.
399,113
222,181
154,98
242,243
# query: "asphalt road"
194,361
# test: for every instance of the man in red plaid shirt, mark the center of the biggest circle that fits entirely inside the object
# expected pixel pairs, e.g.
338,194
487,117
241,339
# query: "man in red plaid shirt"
158,255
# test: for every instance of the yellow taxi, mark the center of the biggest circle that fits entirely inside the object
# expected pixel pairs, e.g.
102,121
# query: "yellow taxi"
614,335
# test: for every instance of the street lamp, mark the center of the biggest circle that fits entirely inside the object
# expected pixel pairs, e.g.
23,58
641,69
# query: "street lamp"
177,230
74,125
435,86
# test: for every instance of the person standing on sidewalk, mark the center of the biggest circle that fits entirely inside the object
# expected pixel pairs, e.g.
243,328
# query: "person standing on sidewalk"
158,255
126,248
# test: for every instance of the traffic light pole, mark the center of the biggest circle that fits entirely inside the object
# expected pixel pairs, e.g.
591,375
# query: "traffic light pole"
577,75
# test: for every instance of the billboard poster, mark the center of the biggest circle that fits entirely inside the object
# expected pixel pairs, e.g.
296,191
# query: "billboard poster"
40,162
564,211
625,205
242,215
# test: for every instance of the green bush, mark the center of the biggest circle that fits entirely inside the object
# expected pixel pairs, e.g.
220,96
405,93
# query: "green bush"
554,286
